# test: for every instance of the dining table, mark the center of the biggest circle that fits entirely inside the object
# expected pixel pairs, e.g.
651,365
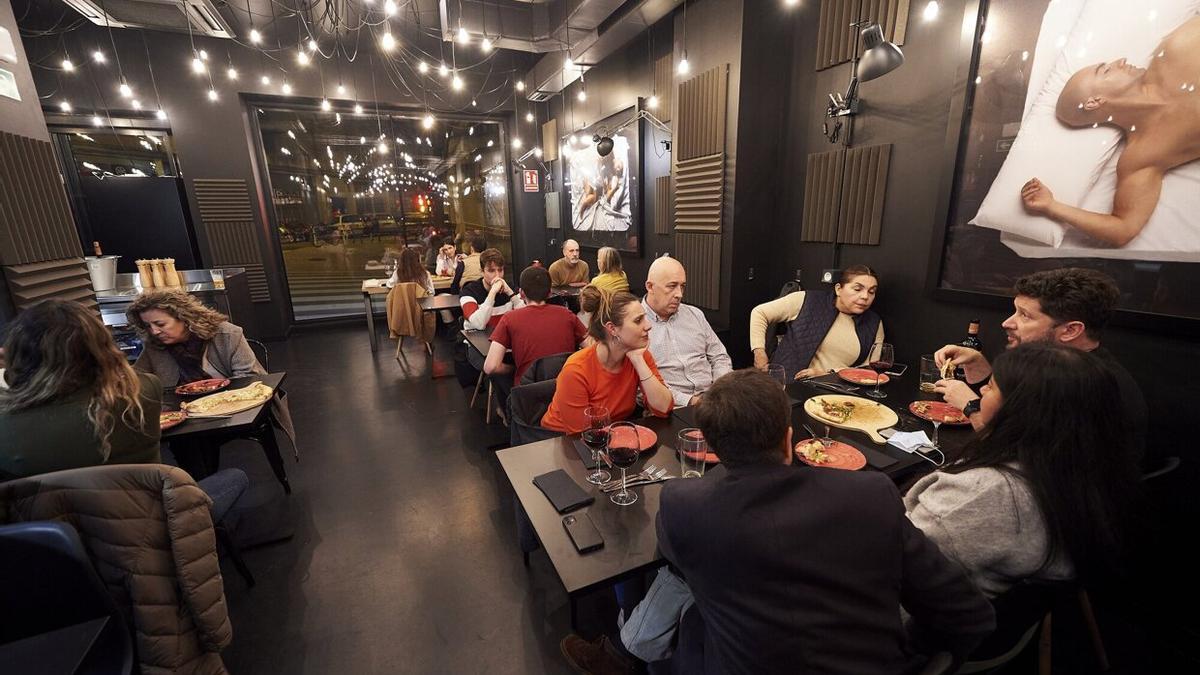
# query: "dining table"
197,441
429,303
630,540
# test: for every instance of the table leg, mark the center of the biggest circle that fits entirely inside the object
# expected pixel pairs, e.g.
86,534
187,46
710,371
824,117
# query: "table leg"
370,321
265,435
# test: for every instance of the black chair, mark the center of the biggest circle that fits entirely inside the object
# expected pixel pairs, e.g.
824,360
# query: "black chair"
776,331
545,368
49,584
1019,614
526,406
260,348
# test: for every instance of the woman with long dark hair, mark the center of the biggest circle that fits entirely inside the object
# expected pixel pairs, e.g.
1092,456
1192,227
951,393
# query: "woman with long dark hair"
1047,489
410,269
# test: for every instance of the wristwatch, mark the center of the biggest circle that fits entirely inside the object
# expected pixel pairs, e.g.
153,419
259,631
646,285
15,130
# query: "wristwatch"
971,407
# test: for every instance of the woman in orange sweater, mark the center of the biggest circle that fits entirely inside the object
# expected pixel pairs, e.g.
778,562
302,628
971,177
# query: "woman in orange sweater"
611,371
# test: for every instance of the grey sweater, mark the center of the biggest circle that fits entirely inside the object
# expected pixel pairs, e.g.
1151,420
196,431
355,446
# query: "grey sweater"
989,522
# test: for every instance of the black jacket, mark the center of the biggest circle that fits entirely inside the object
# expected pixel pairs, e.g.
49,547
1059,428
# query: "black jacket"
804,570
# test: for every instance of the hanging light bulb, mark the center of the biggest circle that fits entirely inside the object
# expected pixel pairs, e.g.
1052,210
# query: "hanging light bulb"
463,36
231,73
212,94
423,67
568,63
791,3
203,55
302,58
125,89
390,8
684,68
362,140
427,123
325,105
537,152
582,95
443,70
67,65
528,117
517,143
287,88
291,134
931,10
266,79
161,114
98,56
652,102
358,109
520,85
486,45
456,83
382,148
473,103
96,121
312,45
255,36
197,65
341,89
387,42
137,105
65,107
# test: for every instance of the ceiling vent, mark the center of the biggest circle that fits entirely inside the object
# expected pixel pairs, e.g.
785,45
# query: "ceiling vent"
169,15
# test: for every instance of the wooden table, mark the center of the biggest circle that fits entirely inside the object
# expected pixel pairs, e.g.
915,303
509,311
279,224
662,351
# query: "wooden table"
630,540
197,442
431,303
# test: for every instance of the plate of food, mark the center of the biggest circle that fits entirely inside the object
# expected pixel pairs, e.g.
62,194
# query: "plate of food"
647,439
862,376
202,387
852,412
170,418
709,457
837,455
938,411
229,402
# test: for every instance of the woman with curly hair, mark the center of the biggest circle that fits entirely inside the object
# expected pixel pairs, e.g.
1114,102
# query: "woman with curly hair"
69,399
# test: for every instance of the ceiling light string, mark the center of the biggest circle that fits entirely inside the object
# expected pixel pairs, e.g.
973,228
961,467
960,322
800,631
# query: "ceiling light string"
160,114
116,55
684,67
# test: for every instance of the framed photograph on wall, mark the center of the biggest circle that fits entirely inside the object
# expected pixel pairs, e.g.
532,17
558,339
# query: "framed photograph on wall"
604,190
1062,158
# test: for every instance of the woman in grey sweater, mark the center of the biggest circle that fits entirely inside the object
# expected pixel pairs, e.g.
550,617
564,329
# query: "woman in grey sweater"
1046,490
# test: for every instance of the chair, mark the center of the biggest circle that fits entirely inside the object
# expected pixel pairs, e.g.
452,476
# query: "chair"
1020,612
48,583
545,368
405,317
265,358
526,406
776,331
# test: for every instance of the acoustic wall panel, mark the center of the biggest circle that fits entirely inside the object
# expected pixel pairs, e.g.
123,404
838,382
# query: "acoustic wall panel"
699,193
35,221
664,86
863,192
700,255
836,40
663,205
550,140
822,191
65,279
229,222
700,125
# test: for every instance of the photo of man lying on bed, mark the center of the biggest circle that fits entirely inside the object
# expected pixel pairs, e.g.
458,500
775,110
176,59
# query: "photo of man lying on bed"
1083,148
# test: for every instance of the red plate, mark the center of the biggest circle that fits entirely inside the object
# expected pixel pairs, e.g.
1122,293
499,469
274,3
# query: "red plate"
648,439
171,418
841,456
862,376
201,387
938,410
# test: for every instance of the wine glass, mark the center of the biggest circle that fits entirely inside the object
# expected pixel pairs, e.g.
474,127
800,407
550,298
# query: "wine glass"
826,440
777,373
881,358
623,447
596,438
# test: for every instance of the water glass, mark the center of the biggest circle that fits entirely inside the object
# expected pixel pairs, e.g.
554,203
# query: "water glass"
930,373
777,373
692,450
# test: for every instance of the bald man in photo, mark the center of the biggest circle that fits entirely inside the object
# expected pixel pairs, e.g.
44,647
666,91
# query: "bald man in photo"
569,270
689,354
1157,110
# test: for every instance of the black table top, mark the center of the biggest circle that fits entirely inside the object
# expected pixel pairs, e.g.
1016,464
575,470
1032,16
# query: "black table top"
480,340
436,303
219,425
630,540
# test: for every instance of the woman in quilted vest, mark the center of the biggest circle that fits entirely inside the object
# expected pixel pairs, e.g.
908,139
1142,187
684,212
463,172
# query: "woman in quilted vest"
828,330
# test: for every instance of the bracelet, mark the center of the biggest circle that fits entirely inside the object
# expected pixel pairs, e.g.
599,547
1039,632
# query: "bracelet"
648,377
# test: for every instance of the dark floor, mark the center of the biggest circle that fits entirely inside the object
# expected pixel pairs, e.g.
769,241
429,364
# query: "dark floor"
404,557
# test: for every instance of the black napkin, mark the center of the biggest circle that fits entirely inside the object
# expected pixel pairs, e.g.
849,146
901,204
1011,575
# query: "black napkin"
564,493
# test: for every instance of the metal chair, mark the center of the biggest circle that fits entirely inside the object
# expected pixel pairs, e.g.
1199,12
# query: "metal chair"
776,331
265,358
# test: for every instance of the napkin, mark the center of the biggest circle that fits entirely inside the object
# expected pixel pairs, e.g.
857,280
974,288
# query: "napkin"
909,441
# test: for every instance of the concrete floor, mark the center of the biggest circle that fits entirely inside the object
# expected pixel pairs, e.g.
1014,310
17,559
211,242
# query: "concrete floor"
404,557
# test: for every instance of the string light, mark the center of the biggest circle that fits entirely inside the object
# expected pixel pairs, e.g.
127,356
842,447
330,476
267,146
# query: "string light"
537,152
486,45
232,73
125,89
302,58
197,65
325,105
203,54
528,117
137,105
287,88
931,10
387,42
67,65
684,67
312,45
96,121
65,107
341,89
568,64
382,148
652,102
358,109
212,94
389,8
791,3
161,114
98,56
255,36
463,36
266,80
456,83
291,134
443,70
286,151
423,67
428,121
520,85
517,143
582,95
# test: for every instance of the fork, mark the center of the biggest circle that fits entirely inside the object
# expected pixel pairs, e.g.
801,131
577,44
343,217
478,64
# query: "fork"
653,477
641,475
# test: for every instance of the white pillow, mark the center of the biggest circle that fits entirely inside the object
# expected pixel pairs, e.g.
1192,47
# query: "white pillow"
1071,161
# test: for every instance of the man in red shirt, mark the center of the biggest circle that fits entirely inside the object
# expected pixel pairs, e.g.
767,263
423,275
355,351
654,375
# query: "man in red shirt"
531,332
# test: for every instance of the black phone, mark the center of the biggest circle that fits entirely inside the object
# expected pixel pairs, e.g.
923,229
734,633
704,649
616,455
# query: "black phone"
897,369
583,533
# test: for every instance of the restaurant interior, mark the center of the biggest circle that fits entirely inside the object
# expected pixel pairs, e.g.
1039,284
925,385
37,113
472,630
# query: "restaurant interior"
314,236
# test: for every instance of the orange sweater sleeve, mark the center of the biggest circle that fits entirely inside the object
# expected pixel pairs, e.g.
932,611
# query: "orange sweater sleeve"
571,398
654,369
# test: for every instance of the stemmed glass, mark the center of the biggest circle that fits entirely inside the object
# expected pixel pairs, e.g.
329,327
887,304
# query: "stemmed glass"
623,447
596,438
777,373
881,358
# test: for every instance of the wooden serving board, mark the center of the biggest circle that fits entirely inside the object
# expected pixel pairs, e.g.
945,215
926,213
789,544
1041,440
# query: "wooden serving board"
869,416
225,409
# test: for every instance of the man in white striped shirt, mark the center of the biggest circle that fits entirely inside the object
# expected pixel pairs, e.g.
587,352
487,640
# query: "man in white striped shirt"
688,352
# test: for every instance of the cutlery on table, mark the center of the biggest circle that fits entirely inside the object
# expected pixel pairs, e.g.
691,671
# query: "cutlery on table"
643,474
654,477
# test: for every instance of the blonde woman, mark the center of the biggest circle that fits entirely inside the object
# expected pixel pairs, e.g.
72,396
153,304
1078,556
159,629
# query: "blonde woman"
71,399
612,274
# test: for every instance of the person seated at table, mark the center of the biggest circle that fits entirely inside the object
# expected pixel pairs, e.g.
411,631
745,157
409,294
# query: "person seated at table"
612,275
1046,490
410,270
447,259
690,356
569,270
779,586
829,330
485,300
1069,307
186,341
612,371
531,332
469,267
71,401
589,301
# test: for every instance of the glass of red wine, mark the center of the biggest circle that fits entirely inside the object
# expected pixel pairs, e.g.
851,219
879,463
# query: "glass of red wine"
595,437
882,357
623,447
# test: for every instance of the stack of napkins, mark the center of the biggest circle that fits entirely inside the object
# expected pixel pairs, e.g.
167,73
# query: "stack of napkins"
909,441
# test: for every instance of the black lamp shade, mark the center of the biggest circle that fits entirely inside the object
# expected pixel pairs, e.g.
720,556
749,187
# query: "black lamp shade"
880,57
604,145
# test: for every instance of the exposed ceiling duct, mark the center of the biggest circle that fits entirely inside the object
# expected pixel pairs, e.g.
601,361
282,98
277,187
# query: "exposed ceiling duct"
169,15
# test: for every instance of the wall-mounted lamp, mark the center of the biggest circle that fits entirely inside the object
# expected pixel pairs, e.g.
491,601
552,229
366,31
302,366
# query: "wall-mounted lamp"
879,58
604,141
